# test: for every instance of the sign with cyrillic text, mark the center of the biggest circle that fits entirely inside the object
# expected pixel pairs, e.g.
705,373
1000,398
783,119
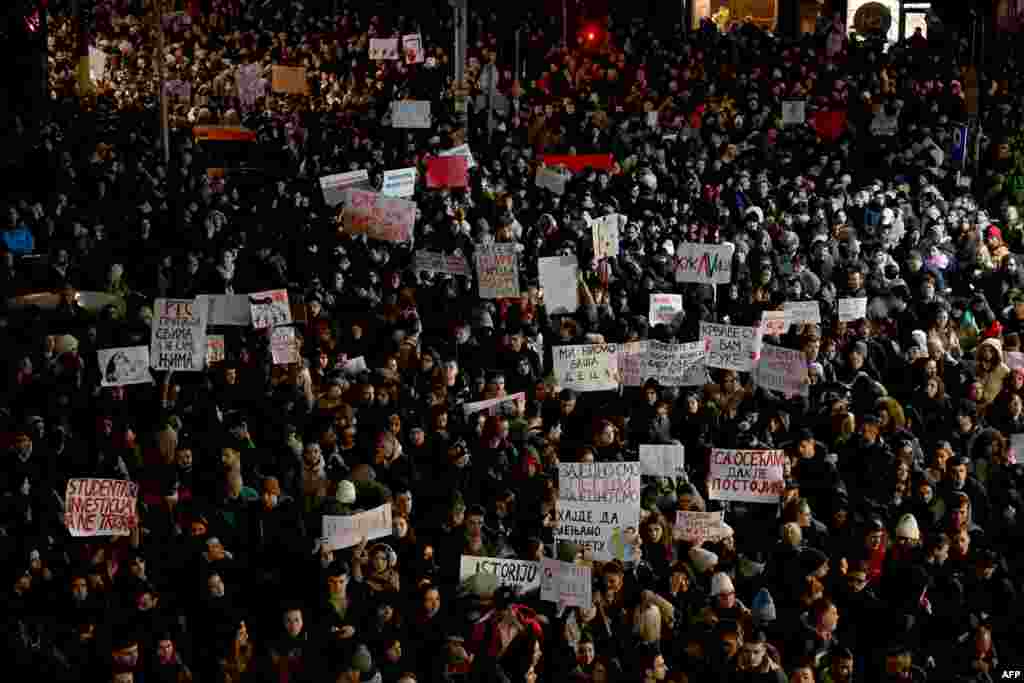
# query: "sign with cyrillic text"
747,476
587,367
599,482
731,347
179,335
598,527
783,370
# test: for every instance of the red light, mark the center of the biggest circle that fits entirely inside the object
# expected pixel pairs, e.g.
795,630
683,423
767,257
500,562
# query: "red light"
590,36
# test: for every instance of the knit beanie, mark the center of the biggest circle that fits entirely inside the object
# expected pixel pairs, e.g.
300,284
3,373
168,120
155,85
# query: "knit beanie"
763,608
346,493
907,528
721,583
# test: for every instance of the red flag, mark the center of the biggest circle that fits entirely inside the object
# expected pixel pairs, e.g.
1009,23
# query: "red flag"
443,172
829,125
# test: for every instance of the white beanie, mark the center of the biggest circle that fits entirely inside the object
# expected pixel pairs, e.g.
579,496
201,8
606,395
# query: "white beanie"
346,493
907,528
721,583
703,560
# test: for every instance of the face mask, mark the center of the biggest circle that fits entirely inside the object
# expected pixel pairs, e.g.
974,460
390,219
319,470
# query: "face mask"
80,596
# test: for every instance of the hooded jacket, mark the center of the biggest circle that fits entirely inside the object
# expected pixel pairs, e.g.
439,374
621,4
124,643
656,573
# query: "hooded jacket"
992,382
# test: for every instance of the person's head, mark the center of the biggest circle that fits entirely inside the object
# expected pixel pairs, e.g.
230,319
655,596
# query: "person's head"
654,668
753,652
586,652
293,622
430,600
803,673
271,493
215,584
337,579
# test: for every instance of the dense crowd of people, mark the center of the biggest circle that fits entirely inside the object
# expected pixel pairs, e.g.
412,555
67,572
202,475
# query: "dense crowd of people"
889,556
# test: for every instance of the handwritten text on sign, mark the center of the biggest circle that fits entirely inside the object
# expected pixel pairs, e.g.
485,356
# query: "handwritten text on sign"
566,583
853,309
345,531
664,308
382,218
270,309
587,367
100,507
753,476
802,312
783,370
497,269
598,527
522,574
731,347
179,335
437,262
605,482
672,365
704,526
605,232
703,263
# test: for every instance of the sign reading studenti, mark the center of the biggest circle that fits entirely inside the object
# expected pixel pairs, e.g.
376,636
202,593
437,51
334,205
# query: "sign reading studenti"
100,507
522,574
748,476
587,367
731,347
599,482
179,335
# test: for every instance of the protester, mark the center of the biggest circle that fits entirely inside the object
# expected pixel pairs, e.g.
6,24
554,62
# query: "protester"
890,550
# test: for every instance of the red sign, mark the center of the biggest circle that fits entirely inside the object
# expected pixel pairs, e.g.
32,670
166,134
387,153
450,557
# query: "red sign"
445,172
